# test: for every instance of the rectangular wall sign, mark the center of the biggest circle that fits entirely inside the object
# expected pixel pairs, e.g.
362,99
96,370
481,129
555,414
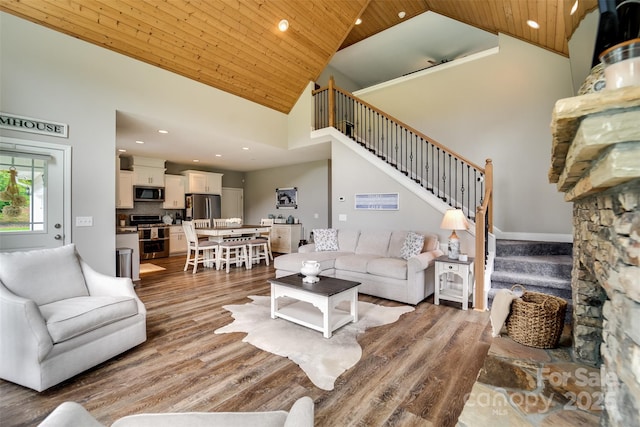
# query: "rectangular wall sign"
28,124
378,201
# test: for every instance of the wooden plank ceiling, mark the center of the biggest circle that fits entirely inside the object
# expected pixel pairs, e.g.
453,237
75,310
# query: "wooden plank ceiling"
235,45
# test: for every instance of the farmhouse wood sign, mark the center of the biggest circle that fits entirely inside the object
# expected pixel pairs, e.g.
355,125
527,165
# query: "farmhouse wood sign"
28,124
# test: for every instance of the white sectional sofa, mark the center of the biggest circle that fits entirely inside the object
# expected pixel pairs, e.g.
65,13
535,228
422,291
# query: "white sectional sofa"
395,265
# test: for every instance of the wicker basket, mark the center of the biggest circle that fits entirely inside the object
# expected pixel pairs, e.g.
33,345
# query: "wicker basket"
536,319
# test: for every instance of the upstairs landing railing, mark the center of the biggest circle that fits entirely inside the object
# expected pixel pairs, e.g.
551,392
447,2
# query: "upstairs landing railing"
457,181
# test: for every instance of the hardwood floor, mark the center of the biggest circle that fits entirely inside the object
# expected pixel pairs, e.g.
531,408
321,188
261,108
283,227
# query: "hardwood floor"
414,372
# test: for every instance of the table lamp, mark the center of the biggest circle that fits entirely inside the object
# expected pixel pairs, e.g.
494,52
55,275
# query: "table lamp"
454,219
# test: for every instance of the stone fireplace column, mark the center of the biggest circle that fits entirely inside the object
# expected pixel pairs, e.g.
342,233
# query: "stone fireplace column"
596,163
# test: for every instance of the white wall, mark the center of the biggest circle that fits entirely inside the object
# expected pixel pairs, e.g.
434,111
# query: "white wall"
496,107
353,174
48,75
312,181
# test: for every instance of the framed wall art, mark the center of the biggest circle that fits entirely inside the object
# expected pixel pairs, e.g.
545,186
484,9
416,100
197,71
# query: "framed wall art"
377,201
287,198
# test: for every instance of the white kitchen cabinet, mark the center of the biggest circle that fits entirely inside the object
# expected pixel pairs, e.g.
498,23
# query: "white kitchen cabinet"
173,192
285,238
199,182
149,176
124,190
177,240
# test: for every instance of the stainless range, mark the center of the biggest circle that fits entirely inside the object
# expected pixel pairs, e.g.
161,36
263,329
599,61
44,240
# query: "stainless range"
153,236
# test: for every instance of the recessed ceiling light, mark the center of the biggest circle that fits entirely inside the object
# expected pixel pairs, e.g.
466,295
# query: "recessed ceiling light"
574,8
139,142
401,14
245,148
358,21
195,160
533,24
283,25
218,155
122,150
163,131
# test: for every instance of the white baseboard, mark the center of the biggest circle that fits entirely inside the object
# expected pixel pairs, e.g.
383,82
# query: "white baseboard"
536,237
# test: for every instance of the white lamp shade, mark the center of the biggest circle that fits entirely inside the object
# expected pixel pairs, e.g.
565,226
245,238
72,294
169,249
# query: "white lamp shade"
454,219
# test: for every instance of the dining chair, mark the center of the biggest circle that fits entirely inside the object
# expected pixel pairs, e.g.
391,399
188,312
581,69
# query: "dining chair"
202,223
219,222
204,252
267,235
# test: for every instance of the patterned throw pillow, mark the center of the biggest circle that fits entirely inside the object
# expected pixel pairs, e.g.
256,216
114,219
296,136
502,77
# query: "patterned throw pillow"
326,239
412,245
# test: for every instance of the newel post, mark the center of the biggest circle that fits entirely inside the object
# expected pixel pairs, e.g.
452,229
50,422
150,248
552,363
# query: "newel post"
480,261
332,103
488,173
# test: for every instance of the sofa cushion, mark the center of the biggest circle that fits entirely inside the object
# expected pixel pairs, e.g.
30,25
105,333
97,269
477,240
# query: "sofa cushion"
326,239
354,262
431,242
293,262
388,267
75,316
396,242
373,242
43,275
412,246
348,239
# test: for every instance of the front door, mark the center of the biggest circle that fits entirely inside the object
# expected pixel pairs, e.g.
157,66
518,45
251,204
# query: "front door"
34,195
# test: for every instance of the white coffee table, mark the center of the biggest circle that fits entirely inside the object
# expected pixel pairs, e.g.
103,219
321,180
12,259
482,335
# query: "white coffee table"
316,303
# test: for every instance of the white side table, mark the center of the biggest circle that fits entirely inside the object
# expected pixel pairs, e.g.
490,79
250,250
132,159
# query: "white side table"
454,280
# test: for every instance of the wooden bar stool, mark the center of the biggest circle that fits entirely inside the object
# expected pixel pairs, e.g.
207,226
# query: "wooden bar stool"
234,251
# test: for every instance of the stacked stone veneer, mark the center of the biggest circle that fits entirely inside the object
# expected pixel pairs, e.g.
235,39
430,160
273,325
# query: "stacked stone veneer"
596,163
606,296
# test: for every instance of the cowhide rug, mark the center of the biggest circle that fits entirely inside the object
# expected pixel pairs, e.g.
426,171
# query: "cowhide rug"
322,359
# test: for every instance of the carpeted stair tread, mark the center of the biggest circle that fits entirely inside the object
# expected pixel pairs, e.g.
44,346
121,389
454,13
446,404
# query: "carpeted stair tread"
523,248
542,265
506,279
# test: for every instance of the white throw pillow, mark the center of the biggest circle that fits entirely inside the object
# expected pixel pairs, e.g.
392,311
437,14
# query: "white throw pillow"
325,239
412,245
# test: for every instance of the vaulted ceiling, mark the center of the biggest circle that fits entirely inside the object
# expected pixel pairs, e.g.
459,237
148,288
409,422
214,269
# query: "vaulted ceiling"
236,46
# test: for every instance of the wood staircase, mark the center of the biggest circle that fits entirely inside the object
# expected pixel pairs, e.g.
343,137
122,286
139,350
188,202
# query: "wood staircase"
456,181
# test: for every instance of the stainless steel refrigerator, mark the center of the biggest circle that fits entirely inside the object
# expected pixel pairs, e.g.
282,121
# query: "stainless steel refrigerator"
202,206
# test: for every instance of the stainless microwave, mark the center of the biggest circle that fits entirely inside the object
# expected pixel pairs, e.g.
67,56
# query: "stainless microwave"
148,194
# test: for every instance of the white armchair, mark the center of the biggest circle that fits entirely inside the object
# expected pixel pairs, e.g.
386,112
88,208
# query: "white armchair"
59,317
